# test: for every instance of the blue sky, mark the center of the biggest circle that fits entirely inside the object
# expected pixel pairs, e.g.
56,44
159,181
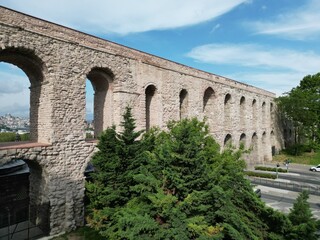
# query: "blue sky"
270,44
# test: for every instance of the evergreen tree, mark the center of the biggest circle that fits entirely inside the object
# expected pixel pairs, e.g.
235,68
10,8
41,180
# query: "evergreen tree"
114,165
177,185
304,225
302,106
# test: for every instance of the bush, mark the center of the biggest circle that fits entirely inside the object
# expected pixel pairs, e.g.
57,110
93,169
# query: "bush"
296,149
7,137
25,137
271,169
262,175
11,137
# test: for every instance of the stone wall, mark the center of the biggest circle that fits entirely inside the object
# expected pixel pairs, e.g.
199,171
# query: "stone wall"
58,60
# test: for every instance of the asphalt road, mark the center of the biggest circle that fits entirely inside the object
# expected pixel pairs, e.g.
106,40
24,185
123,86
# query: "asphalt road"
279,197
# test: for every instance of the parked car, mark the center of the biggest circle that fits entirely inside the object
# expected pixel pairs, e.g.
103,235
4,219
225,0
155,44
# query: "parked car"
315,169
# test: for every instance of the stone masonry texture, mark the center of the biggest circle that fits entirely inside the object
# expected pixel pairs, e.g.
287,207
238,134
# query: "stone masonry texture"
59,60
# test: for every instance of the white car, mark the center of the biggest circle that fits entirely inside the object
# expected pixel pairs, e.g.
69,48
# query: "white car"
315,169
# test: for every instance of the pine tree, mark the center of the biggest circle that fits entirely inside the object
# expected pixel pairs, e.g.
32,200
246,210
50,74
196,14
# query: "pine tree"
304,225
176,184
114,165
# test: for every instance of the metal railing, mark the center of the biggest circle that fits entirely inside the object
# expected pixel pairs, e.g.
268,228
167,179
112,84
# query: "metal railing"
296,187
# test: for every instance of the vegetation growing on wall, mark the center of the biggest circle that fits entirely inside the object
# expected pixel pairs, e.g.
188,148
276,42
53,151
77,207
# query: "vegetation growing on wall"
175,184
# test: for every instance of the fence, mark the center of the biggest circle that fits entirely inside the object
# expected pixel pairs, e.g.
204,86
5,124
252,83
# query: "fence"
312,189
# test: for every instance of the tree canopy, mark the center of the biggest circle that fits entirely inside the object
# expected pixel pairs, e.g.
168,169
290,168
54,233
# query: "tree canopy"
304,225
302,106
175,184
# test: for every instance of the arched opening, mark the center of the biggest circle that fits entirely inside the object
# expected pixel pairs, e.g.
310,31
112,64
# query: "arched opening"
227,140
24,212
265,149
39,99
271,115
242,112
208,106
183,96
263,115
227,111
254,114
151,107
89,110
102,84
254,150
243,140
273,143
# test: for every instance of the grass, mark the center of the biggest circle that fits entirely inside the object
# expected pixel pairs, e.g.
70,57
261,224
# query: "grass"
307,158
83,233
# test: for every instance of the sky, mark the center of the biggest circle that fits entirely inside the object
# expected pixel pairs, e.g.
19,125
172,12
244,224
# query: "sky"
270,44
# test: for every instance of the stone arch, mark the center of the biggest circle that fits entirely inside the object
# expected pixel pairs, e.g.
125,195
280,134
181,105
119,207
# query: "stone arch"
254,149
227,111
40,102
152,106
243,140
242,112
102,83
265,149
273,143
184,103
272,119
227,140
26,199
254,113
264,113
208,106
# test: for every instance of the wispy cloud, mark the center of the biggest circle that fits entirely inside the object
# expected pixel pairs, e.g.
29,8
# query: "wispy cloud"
125,16
12,83
274,69
276,82
252,55
300,24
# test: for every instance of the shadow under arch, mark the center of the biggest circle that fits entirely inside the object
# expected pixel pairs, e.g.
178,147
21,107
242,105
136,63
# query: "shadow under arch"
40,103
151,106
242,112
227,111
26,204
102,83
183,104
227,140
243,140
208,109
254,149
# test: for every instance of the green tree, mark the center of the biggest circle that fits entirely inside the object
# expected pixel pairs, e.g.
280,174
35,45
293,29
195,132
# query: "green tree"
114,165
302,106
180,187
304,225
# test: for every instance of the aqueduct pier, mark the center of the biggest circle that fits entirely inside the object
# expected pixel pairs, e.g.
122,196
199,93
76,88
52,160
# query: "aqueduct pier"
58,60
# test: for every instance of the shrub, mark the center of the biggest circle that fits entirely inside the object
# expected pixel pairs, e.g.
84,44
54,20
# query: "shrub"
262,175
271,169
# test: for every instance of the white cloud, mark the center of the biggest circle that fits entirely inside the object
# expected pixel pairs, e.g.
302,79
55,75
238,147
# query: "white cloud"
276,70
12,83
252,55
124,16
300,24
15,103
276,82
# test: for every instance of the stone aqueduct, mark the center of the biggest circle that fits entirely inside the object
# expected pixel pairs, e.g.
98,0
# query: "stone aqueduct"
58,60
